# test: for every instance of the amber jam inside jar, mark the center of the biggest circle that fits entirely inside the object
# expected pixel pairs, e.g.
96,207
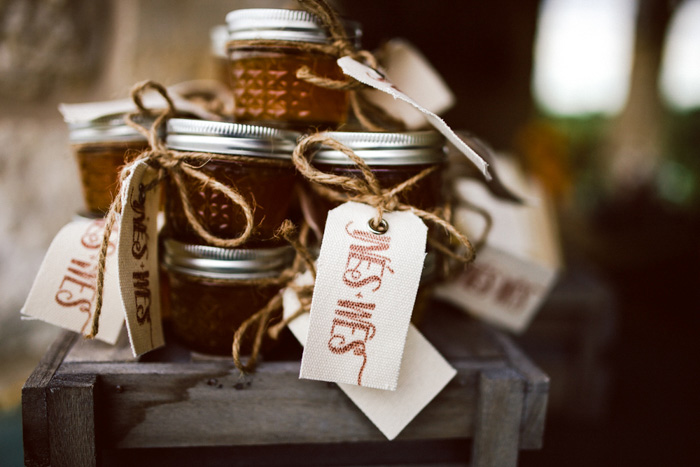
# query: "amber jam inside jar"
265,86
393,158
102,147
263,174
210,294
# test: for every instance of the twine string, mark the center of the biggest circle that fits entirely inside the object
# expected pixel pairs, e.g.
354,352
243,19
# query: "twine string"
367,189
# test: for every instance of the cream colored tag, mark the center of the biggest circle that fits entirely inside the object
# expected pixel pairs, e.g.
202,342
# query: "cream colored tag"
515,270
138,258
64,290
411,72
373,78
363,298
424,373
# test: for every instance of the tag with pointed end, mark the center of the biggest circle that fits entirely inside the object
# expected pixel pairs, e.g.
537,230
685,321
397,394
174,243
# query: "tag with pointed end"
363,297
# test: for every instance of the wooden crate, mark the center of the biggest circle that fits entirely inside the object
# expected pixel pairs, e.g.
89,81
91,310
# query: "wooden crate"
91,404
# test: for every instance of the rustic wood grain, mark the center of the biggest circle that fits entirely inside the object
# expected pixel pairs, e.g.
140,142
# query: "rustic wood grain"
535,397
35,424
71,415
106,409
498,418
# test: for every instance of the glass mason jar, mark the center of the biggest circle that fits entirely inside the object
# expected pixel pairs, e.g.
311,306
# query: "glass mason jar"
264,176
209,294
393,158
102,147
265,87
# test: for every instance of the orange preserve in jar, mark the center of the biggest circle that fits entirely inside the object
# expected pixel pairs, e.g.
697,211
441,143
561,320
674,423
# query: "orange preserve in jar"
212,291
253,160
392,157
102,147
266,49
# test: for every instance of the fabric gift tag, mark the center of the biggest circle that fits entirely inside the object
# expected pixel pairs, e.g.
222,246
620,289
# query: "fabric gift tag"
64,290
363,298
424,373
138,258
375,79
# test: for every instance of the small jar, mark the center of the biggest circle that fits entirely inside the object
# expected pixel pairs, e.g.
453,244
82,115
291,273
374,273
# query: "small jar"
263,174
211,294
265,87
102,147
393,158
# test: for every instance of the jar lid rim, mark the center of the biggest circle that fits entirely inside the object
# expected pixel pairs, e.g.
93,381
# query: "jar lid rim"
209,260
386,148
230,138
283,24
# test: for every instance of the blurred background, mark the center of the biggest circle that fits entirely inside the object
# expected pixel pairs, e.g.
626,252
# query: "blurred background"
599,98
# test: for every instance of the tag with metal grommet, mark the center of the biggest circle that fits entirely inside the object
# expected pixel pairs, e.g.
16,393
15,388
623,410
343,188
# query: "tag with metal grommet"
366,284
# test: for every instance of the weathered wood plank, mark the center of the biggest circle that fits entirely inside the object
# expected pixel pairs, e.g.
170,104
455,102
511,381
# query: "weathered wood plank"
430,453
535,397
158,406
71,416
35,424
497,418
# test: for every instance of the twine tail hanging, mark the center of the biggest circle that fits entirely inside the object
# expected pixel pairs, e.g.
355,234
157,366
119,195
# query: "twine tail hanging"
303,259
370,115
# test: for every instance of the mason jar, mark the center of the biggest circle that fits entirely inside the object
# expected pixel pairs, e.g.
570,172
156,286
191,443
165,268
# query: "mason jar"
102,147
261,171
392,157
264,76
211,291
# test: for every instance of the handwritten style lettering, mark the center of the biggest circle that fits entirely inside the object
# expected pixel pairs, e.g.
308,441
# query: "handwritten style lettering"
78,286
489,282
351,327
142,296
139,245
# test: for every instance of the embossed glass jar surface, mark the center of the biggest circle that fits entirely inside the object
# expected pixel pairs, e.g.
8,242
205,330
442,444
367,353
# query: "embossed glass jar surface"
264,175
102,147
210,293
264,77
393,158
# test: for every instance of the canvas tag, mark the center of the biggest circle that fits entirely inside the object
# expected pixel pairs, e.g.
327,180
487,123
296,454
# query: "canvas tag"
512,274
411,72
138,259
64,290
373,78
424,373
363,299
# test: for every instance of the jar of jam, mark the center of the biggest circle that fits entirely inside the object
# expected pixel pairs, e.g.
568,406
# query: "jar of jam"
102,146
260,170
264,75
393,158
211,293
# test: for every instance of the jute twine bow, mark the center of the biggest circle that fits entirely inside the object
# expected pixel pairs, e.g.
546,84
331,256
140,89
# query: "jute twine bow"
302,260
368,114
171,164
367,189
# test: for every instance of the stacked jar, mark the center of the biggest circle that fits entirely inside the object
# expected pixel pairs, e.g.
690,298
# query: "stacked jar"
211,290
267,48
102,147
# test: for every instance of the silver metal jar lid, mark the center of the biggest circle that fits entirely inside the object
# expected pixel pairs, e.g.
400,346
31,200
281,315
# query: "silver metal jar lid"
226,263
111,128
379,148
229,138
283,25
